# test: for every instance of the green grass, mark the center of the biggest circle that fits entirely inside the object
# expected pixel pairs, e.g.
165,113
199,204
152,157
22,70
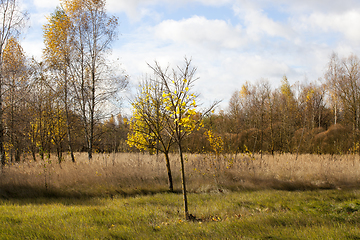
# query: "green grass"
266,214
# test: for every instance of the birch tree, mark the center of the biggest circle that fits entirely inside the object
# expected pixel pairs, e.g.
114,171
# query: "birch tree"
58,53
95,81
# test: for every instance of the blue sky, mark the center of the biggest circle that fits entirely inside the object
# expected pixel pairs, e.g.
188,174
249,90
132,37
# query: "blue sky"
230,41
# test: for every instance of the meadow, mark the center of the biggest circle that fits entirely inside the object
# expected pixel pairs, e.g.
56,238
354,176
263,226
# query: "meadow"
125,196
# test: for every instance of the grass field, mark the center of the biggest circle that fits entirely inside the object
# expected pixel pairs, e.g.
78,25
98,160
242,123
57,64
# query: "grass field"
265,214
124,196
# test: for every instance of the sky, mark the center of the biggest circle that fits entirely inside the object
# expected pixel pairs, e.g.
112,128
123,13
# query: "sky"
229,41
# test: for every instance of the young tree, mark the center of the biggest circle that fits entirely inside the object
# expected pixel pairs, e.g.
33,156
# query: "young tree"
12,21
180,107
148,124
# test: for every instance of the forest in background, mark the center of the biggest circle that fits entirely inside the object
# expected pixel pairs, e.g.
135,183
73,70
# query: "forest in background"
62,103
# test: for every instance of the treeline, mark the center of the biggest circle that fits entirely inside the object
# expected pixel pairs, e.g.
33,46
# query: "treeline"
311,117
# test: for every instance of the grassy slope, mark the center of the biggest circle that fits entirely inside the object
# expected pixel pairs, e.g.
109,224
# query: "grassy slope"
265,214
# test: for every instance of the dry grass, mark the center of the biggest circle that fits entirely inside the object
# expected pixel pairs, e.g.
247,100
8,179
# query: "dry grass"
136,173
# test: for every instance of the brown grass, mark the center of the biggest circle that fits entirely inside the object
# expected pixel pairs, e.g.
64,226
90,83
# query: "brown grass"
136,173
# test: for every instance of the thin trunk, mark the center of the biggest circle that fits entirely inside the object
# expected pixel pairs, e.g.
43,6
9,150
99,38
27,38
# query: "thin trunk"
171,187
90,151
271,129
2,150
69,141
59,155
92,111
335,113
183,183
67,119
33,154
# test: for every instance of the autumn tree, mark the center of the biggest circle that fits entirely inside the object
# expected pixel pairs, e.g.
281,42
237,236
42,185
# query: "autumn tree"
148,125
181,108
16,85
95,81
58,55
12,21
288,110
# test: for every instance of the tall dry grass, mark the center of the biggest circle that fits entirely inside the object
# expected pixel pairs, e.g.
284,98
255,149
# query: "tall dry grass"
136,173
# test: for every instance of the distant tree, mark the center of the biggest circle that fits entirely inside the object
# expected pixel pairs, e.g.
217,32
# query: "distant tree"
332,76
109,137
343,78
289,114
312,100
236,121
248,109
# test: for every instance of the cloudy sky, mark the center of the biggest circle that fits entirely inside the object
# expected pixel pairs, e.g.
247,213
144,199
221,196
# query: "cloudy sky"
230,41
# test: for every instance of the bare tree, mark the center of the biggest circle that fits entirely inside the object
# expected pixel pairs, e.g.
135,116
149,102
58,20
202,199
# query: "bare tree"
343,79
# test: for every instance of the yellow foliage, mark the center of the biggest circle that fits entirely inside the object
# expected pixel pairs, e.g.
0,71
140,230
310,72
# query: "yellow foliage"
216,142
244,92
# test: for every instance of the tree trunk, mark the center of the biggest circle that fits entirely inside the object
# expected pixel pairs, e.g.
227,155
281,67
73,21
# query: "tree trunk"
2,150
67,118
33,154
171,187
183,183
89,153
59,155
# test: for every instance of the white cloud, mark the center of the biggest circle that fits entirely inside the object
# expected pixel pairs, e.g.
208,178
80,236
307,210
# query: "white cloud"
301,6
137,9
46,4
347,23
258,24
200,31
